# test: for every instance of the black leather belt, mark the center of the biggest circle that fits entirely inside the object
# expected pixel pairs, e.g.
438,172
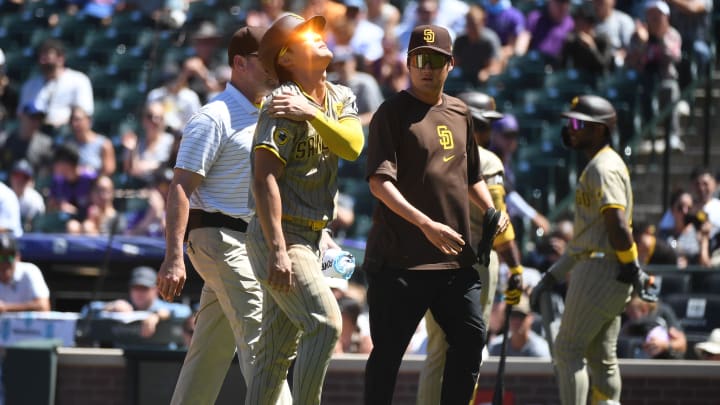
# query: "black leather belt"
204,219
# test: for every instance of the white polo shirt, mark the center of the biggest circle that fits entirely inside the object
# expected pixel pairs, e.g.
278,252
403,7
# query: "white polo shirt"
26,285
216,144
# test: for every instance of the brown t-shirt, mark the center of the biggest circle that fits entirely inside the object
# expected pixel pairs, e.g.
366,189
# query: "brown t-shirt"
430,154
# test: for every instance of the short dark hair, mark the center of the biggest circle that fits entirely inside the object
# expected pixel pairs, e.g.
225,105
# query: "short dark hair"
701,171
66,153
52,44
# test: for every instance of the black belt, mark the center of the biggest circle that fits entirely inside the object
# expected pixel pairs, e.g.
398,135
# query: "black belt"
204,219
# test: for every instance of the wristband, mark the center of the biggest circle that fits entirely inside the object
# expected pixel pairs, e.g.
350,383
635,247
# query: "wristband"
329,232
627,256
516,270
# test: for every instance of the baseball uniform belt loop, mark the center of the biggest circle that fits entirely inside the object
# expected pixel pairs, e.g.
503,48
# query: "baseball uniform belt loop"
315,225
204,219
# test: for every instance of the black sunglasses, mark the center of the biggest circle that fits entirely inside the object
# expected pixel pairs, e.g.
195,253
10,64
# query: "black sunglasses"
435,60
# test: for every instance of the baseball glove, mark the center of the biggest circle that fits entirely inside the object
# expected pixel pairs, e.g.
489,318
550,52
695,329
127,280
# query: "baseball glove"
489,230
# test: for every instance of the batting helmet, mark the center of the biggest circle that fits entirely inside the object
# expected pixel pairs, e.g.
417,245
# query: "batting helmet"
592,108
278,36
482,107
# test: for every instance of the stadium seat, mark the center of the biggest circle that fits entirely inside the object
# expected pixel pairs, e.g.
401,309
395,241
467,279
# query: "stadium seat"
108,116
570,77
708,283
20,64
50,222
698,313
674,283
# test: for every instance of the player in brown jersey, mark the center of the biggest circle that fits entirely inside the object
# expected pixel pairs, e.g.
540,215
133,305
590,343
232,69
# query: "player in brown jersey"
423,166
482,109
305,126
603,259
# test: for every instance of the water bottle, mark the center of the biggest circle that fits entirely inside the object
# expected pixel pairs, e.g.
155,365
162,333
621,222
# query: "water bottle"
338,263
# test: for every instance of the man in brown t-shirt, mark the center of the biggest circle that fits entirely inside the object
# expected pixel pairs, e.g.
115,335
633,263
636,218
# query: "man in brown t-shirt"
423,166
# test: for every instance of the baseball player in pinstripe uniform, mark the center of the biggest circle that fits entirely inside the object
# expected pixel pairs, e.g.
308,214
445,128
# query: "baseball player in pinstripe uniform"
602,257
209,202
423,166
295,165
482,109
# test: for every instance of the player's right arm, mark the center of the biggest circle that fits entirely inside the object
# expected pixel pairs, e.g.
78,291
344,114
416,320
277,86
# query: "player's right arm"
172,276
267,168
442,236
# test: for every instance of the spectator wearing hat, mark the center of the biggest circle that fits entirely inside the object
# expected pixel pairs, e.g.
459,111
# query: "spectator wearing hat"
522,340
709,349
655,51
56,88
585,49
27,142
9,211
143,296
70,186
364,85
200,68
22,286
504,143
31,201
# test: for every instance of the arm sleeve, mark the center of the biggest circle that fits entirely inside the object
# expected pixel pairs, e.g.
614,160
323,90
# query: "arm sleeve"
344,137
381,151
200,144
85,95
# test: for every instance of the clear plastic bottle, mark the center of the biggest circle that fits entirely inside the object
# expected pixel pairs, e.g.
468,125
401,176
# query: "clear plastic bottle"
338,263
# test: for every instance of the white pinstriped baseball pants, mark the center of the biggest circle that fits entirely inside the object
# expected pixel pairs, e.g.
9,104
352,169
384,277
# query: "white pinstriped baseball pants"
430,382
588,332
305,321
228,317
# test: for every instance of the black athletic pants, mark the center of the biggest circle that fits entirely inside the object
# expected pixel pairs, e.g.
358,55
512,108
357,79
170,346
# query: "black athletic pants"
398,300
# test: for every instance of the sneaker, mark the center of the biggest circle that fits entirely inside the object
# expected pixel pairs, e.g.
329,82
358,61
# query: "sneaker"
683,108
676,144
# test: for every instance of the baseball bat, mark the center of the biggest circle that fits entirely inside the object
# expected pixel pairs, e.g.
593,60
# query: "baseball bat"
500,377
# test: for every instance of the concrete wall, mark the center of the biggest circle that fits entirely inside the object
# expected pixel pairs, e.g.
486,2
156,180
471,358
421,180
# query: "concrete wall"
107,377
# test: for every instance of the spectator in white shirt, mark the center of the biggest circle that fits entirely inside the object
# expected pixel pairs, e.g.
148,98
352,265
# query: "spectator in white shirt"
57,88
31,201
22,286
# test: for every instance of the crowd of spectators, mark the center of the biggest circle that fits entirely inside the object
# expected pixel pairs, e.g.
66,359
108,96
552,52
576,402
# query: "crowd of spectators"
61,157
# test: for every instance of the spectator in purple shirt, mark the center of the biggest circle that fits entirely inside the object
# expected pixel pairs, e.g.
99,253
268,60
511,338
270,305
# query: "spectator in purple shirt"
549,28
508,23
70,187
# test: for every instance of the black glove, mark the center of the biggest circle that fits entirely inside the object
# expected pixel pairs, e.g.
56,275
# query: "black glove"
489,229
545,285
643,283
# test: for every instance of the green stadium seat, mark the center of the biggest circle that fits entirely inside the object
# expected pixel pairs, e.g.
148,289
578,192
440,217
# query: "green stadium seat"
50,222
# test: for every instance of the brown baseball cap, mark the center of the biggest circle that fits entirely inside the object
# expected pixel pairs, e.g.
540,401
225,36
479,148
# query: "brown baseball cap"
432,37
245,41
279,33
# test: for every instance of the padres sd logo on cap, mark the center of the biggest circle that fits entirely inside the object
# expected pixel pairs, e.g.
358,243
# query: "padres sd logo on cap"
429,36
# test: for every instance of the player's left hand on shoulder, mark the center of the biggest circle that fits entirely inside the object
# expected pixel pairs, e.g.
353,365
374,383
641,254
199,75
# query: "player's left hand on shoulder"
295,107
